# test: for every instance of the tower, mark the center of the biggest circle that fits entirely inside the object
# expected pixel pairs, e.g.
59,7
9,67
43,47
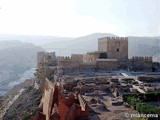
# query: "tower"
116,47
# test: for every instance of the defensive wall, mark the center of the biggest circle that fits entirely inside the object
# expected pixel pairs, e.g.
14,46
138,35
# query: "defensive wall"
47,98
140,64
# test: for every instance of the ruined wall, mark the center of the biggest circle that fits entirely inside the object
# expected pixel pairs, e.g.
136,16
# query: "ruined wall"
39,116
116,47
71,108
64,104
106,64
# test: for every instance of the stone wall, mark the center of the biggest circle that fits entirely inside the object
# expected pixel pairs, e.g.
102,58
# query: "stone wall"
47,98
68,64
91,57
116,47
106,64
87,66
149,78
72,108
78,57
140,64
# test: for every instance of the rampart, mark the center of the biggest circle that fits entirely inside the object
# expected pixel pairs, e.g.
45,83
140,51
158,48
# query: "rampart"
56,103
47,98
91,57
68,64
140,63
141,58
107,64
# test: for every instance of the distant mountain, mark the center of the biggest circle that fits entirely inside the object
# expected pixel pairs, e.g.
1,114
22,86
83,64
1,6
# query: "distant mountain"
138,46
89,42
15,58
144,46
77,45
37,40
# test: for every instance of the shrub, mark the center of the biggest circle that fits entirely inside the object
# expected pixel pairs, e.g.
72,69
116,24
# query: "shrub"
26,116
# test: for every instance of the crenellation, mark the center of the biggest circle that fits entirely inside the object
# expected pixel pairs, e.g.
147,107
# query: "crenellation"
140,63
145,58
113,38
91,75
61,58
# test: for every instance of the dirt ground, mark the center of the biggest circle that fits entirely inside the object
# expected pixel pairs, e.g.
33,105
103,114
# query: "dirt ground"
108,108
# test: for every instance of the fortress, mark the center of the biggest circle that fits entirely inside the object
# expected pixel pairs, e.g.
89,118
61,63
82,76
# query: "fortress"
112,54
67,79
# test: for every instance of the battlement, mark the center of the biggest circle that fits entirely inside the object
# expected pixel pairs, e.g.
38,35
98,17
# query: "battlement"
45,53
113,38
146,58
140,63
63,58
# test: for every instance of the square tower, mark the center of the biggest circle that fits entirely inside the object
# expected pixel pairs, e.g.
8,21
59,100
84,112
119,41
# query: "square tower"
116,47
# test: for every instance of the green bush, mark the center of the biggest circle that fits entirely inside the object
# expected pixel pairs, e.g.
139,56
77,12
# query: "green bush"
147,97
134,102
26,116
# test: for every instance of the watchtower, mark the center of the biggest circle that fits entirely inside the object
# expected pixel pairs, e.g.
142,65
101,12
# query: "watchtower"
115,47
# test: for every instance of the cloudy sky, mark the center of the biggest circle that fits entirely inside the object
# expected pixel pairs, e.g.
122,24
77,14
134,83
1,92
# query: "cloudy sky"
73,18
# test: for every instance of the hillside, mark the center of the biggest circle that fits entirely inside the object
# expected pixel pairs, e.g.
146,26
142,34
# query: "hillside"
25,107
77,45
15,58
144,46
37,40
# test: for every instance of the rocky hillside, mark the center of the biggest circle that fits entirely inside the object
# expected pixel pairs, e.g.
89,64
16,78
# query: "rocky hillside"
25,107
15,58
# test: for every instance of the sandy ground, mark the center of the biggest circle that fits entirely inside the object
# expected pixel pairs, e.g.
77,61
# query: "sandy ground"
108,111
